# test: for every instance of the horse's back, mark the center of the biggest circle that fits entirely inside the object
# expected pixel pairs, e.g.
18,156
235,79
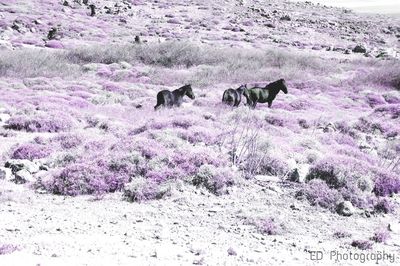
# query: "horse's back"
229,96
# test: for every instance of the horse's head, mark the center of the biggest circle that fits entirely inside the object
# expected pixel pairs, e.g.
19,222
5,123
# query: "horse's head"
282,85
189,92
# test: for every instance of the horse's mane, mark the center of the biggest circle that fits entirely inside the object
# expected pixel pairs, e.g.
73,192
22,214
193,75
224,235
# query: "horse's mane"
275,86
183,88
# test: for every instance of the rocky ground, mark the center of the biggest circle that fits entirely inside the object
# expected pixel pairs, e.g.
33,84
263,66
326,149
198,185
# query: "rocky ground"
191,227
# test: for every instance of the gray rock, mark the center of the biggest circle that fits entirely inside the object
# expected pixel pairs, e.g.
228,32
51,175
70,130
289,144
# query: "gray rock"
345,208
232,252
18,165
23,176
4,117
90,67
359,49
299,173
125,65
5,173
394,227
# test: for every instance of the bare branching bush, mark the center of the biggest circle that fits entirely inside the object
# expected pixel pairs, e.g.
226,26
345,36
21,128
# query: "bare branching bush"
247,150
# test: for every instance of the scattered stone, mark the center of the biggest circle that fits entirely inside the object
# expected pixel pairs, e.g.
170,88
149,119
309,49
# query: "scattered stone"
359,49
4,118
231,252
137,39
18,165
90,67
345,208
286,18
23,176
199,262
92,10
394,227
153,254
125,65
5,173
52,34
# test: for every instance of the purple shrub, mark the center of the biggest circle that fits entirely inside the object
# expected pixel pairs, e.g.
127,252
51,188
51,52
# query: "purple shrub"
392,111
214,179
303,123
104,72
31,151
40,123
54,44
341,234
344,128
189,160
173,21
141,189
318,193
386,184
68,141
392,98
381,236
368,125
111,87
337,170
271,165
300,104
149,148
384,205
268,227
7,249
276,121
199,135
374,100
353,194
162,175
183,122
345,140
85,178
362,244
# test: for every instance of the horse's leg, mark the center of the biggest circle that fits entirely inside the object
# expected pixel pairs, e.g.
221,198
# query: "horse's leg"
269,104
254,104
237,102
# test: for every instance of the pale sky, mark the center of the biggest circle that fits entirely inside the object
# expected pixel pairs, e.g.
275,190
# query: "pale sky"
376,6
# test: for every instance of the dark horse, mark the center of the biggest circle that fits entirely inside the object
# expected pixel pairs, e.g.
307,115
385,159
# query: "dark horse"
233,97
264,95
174,98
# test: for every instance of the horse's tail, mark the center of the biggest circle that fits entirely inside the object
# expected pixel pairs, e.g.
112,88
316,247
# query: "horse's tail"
229,98
160,101
224,96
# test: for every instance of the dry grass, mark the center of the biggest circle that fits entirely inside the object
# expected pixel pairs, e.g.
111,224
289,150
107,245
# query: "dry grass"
36,62
204,64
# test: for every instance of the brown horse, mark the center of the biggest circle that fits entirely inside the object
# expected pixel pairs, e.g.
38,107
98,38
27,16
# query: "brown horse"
265,94
175,98
233,97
